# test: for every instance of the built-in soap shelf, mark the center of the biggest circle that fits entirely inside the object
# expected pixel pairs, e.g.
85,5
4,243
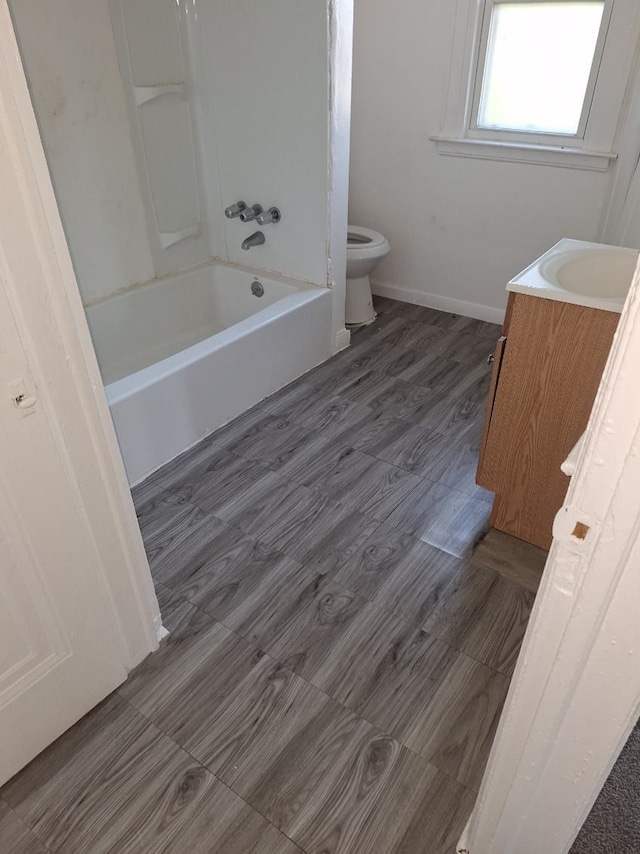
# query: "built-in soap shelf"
144,94
169,238
153,52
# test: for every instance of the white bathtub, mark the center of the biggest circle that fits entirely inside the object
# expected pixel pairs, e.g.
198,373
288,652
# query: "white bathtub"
182,356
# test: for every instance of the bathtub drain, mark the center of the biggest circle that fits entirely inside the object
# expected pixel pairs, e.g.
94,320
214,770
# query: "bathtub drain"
256,289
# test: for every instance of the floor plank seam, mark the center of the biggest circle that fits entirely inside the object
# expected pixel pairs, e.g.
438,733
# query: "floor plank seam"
292,421
29,829
204,767
331,573
375,728
406,619
409,419
450,488
335,505
407,622
338,504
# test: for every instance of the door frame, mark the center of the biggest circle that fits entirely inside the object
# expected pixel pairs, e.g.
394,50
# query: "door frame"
55,337
340,28
575,694
620,209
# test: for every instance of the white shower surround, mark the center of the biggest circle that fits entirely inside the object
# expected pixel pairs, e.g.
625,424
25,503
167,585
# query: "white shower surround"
186,354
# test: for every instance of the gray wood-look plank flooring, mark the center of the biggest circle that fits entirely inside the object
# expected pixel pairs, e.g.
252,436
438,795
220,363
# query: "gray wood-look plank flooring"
15,836
338,653
516,560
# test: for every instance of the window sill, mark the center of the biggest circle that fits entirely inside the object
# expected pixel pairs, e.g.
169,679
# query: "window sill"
517,152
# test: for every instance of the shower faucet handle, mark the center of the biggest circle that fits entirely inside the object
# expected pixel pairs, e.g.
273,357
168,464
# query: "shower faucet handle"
234,210
272,215
249,214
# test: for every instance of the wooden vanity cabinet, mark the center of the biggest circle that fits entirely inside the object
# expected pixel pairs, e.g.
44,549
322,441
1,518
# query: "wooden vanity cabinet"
547,368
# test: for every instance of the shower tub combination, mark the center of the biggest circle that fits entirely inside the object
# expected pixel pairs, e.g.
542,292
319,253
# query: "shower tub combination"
183,355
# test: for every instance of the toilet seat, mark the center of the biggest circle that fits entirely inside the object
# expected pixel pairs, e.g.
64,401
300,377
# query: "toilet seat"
363,239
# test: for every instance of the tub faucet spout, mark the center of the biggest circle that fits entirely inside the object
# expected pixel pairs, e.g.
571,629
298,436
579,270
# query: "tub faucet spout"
255,239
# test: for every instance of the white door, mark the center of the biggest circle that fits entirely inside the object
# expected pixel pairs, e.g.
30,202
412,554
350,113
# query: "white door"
575,694
77,608
58,656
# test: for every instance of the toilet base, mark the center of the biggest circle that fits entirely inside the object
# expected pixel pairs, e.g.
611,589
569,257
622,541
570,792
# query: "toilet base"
359,309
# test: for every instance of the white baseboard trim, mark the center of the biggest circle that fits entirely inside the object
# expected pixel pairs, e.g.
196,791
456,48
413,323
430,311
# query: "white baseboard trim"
341,340
162,633
455,306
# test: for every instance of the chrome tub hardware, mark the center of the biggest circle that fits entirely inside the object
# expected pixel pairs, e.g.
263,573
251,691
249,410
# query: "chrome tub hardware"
272,215
257,289
249,214
234,211
255,239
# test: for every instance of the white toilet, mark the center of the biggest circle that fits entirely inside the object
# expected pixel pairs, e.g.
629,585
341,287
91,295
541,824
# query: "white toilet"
364,249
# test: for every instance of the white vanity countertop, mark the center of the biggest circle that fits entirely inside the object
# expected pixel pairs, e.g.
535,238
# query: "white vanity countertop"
575,271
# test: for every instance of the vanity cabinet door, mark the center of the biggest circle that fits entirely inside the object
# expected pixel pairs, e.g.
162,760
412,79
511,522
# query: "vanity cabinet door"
545,388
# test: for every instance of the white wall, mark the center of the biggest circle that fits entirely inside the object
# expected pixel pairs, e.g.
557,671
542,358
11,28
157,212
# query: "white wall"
458,228
70,61
266,67
177,167
259,82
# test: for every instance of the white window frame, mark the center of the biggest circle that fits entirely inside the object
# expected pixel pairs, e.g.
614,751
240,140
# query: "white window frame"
510,135
592,147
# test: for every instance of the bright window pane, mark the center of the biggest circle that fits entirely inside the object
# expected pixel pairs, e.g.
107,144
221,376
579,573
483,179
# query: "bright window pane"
538,63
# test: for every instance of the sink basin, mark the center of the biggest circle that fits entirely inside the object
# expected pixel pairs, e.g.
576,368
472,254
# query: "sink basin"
589,274
605,272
